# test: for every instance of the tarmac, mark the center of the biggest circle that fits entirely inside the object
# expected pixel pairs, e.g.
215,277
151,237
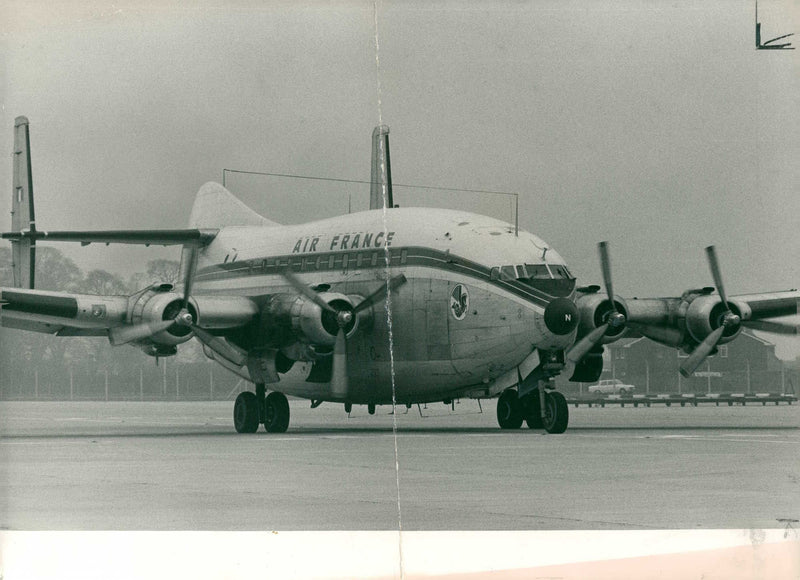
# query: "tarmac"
181,466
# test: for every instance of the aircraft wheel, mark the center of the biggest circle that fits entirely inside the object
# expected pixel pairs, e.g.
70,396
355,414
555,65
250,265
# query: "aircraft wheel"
531,411
276,413
556,416
348,407
371,408
509,410
245,413
623,392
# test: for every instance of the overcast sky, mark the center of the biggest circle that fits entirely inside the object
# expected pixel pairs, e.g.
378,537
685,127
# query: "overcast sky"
653,125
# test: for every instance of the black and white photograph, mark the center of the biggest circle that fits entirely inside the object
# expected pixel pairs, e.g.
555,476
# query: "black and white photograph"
400,289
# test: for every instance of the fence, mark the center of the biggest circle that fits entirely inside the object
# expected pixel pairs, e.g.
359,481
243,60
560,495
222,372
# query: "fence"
170,381
702,383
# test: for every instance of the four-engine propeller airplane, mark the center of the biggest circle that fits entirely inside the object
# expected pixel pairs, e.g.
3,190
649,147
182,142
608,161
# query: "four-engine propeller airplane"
404,305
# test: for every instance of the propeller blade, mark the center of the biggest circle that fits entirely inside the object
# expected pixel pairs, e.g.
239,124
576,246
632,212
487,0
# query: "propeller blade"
605,265
380,293
124,334
339,384
772,326
701,352
191,268
581,348
303,289
717,274
219,346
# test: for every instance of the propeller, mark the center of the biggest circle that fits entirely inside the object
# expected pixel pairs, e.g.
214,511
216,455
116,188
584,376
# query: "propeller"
615,319
729,320
339,381
120,335
124,334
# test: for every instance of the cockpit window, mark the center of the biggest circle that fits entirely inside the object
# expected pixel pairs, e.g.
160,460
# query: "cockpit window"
553,279
508,273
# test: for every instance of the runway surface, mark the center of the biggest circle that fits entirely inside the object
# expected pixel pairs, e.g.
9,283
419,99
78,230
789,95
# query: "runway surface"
181,466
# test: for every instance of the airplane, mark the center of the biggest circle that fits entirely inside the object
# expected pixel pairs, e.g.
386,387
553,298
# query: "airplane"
386,306
767,45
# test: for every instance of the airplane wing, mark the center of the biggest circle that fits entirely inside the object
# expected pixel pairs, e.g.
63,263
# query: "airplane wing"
150,317
185,237
61,313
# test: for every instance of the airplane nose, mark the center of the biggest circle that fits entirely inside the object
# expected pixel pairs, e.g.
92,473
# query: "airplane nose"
561,316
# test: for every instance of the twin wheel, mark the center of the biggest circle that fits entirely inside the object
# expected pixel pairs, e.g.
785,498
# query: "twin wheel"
274,412
512,410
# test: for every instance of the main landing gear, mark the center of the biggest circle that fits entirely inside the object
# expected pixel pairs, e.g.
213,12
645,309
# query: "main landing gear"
512,410
252,409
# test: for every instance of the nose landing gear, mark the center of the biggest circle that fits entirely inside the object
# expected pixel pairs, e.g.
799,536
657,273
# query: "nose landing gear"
512,410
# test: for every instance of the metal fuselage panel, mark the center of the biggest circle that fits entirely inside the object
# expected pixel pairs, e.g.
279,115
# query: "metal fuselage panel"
452,327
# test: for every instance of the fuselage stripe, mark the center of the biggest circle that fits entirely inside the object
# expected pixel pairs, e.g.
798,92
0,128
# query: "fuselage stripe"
368,259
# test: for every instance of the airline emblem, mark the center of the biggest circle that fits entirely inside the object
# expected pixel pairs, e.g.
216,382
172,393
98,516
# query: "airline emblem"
459,301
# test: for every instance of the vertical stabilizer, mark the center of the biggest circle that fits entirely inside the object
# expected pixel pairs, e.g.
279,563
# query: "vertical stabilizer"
23,251
380,189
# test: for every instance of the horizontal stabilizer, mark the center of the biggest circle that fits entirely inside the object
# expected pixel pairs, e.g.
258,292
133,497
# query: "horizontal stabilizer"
188,237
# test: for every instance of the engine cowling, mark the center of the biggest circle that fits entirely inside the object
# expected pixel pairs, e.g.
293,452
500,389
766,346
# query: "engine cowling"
594,310
209,312
291,318
704,315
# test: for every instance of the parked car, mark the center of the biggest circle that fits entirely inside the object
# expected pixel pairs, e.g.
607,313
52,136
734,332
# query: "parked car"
611,387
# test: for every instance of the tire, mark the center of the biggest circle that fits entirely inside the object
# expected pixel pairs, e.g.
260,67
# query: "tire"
245,413
556,413
509,410
623,392
276,413
531,411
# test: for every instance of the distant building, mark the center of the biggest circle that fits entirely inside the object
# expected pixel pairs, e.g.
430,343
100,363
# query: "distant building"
745,365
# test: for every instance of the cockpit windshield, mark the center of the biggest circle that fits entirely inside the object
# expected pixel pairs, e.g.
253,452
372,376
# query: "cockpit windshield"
553,279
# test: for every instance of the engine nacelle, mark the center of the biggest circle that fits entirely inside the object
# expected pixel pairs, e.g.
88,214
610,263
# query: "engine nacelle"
156,304
210,312
290,318
593,310
704,315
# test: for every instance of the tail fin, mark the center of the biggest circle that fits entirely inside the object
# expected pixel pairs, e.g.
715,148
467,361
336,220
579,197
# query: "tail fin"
381,181
216,207
22,218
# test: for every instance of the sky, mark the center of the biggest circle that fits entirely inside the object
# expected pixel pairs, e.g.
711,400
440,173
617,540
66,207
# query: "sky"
653,125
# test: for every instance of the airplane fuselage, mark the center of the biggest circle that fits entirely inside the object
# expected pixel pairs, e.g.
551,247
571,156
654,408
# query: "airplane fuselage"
464,318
